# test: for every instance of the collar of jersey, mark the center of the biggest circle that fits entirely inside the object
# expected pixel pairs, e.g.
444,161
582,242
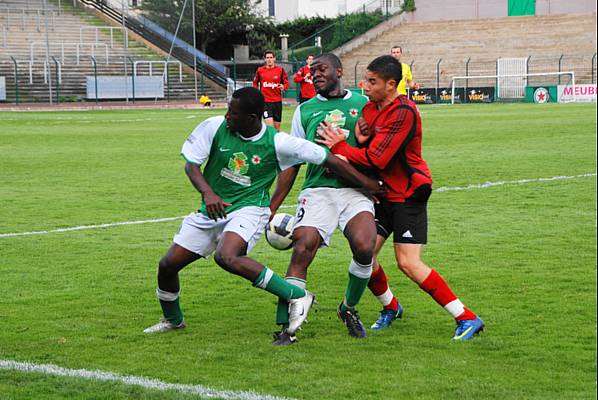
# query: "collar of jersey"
348,95
255,137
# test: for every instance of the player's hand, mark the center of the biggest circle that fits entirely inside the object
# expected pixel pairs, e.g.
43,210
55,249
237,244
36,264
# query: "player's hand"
215,206
375,190
329,136
362,131
281,86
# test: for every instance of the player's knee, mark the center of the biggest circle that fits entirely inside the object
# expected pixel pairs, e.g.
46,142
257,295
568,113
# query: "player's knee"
303,247
363,251
227,261
165,267
408,264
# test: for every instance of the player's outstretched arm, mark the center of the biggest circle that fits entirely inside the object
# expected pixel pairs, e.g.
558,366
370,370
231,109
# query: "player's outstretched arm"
215,206
347,172
284,184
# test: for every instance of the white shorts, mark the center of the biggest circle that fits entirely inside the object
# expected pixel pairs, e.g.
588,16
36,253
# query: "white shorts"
200,234
328,208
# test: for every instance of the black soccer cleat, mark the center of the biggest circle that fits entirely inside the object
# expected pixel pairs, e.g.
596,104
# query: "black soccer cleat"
283,338
352,322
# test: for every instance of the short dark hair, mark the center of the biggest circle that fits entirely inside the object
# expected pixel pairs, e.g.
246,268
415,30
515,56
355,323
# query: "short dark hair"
269,52
387,67
334,61
396,47
251,100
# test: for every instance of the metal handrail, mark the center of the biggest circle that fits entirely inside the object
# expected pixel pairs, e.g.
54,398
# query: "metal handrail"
164,63
97,30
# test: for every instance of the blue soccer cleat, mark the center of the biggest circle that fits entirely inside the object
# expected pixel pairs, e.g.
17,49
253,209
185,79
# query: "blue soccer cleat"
467,329
386,318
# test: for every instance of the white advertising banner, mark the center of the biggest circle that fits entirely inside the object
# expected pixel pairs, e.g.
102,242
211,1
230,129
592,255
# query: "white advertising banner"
585,92
2,88
119,87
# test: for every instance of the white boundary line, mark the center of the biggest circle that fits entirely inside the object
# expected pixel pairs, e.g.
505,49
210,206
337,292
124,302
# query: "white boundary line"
440,190
147,383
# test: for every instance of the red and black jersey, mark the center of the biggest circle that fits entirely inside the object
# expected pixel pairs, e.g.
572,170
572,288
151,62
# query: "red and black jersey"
395,148
306,84
267,80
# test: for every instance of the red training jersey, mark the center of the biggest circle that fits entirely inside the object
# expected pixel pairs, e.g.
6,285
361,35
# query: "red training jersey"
306,84
395,149
267,80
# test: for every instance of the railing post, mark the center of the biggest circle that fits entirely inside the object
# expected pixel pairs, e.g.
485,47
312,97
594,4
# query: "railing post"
355,70
132,77
593,66
167,83
16,80
560,64
58,79
234,60
438,76
466,82
95,75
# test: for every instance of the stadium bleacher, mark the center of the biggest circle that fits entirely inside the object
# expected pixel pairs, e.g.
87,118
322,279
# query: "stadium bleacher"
73,37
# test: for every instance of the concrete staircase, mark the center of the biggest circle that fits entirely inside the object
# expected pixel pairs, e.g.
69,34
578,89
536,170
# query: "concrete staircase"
73,37
544,38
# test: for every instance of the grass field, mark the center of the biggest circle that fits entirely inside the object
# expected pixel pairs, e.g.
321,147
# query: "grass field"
521,254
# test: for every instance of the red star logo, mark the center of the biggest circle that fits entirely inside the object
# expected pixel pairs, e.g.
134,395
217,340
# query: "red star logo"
256,160
541,96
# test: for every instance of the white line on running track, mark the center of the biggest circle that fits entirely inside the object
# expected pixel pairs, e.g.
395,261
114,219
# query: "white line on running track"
440,189
147,383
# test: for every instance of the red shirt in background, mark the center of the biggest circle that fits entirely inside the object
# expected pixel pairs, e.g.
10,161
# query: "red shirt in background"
395,148
306,84
267,80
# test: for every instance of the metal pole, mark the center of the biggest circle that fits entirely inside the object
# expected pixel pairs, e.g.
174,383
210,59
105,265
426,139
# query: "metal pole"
593,66
234,74
355,71
16,80
194,50
438,76
132,77
560,63
125,63
95,75
466,82
57,80
48,51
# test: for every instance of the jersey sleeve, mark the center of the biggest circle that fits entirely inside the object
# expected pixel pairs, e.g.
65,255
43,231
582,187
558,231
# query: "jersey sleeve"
392,134
297,129
196,148
285,79
407,74
256,79
291,151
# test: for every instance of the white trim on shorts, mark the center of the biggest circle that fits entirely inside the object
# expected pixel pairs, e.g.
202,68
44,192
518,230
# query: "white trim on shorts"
200,235
328,208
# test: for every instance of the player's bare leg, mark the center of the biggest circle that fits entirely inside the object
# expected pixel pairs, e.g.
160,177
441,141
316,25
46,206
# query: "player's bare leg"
277,125
408,258
231,256
360,231
176,259
269,121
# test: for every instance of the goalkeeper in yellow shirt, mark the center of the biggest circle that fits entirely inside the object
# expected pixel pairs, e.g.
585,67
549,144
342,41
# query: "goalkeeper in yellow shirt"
396,52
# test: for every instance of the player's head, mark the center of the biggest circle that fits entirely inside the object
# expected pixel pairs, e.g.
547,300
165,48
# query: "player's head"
396,52
269,58
382,76
326,71
309,60
245,111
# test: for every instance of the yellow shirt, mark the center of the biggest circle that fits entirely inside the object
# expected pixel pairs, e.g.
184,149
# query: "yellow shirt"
402,88
204,99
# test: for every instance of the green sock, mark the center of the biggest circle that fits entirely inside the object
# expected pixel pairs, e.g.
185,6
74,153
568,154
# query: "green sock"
270,282
359,276
282,308
172,311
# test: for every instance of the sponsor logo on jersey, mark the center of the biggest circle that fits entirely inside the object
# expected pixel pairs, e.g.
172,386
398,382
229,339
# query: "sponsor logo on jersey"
237,168
336,118
255,159
271,85
354,112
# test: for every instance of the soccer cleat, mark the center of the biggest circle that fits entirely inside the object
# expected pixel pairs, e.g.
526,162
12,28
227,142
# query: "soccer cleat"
386,318
467,329
283,338
352,322
164,326
298,309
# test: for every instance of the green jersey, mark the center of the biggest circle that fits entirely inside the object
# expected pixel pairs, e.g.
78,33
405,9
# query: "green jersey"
340,112
239,170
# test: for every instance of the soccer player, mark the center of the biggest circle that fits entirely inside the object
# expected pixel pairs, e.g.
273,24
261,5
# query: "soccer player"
394,150
326,202
407,78
303,78
271,79
243,156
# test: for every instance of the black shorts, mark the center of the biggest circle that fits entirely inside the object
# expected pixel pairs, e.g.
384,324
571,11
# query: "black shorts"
273,110
408,221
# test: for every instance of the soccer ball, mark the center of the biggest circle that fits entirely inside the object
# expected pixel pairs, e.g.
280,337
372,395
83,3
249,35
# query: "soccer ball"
279,232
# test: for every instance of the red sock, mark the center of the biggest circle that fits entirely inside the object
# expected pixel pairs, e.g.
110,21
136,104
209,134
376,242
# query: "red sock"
436,287
378,284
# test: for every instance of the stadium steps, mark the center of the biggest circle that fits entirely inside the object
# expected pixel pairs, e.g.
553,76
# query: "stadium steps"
65,28
483,41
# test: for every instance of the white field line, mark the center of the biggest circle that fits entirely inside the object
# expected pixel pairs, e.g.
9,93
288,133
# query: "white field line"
440,190
147,383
